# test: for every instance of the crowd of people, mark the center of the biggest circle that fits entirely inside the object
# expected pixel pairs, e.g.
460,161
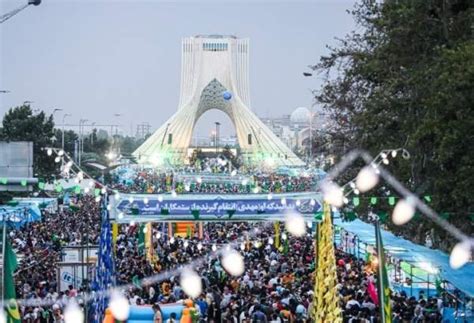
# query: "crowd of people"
277,285
39,247
181,182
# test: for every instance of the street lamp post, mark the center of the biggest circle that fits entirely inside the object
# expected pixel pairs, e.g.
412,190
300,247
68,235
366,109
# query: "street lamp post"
62,137
81,139
10,14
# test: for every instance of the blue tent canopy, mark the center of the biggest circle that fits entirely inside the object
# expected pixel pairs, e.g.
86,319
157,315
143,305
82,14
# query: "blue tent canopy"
408,251
19,215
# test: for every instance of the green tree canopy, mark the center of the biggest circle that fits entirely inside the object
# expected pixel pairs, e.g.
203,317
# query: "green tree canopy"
21,124
405,78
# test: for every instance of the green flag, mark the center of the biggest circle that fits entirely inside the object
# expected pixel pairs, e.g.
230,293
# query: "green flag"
136,282
11,306
141,239
286,247
382,280
439,287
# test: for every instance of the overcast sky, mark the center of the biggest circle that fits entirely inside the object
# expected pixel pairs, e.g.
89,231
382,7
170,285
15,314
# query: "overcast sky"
94,59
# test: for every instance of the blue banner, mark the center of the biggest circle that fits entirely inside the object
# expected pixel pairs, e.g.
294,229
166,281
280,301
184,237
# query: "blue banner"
216,206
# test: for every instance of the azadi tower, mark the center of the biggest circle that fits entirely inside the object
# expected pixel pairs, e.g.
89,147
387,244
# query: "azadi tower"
215,75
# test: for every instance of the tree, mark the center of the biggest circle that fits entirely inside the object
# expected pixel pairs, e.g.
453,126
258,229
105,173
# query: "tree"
20,124
407,80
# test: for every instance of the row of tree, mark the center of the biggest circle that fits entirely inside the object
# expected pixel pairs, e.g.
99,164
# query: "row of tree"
21,124
405,78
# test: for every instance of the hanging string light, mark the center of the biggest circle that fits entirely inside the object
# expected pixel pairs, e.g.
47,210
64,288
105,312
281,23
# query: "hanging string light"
295,224
332,194
366,179
460,255
119,306
403,211
191,283
73,313
233,262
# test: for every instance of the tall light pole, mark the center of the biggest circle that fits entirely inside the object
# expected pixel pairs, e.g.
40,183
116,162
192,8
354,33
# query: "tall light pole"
62,137
91,136
10,14
81,140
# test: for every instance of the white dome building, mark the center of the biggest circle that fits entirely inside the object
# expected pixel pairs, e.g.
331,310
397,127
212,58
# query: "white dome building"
300,115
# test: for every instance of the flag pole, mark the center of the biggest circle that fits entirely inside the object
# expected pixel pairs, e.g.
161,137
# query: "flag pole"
3,255
379,271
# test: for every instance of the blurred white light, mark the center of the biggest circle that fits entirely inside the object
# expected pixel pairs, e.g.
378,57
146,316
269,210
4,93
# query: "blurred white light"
242,246
132,223
49,152
312,202
199,179
233,173
298,203
91,184
356,191
103,190
130,199
57,159
69,164
191,283
284,236
160,198
270,241
383,155
214,247
345,200
187,187
73,313
366,179
171,240
61,152
80,175
199,246
158,235
385,161
97,199
186,244
352,185
244,181
256,190
120,215
403,211
295,224
145,200
109,207
394,153
145,230
3,319
233,263
269,196
428,267
332,194
310,224
173,193
283,201
86,190
117,195
460,255
119,306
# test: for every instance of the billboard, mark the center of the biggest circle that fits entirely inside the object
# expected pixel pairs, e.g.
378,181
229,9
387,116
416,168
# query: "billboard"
238,207
16,164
